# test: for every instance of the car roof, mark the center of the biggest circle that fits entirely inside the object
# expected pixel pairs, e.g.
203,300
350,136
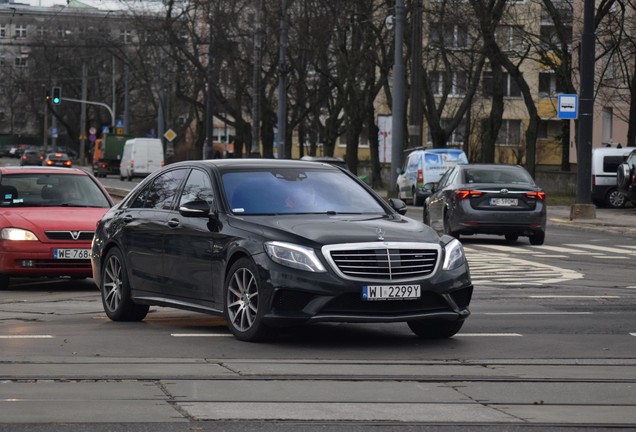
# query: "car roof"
9,170
495,166
228,164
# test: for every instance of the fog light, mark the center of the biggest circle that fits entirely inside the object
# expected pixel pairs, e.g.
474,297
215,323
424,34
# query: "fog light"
27,263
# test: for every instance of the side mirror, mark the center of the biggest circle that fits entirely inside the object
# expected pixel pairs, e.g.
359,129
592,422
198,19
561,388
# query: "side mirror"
198,208
398,205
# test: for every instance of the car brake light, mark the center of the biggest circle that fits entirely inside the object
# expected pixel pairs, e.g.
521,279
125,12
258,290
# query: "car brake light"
467,193
634,179
420,176
538,195
67,163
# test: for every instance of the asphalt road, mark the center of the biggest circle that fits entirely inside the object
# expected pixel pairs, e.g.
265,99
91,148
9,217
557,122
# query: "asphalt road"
550,346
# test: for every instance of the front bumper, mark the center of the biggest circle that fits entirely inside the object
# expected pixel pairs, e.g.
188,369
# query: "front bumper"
297,297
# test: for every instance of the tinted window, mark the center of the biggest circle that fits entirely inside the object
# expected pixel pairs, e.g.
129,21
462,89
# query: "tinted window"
611,163
161,192
198,187
293,190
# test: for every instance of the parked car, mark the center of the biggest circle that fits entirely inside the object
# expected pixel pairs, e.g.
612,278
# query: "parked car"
488,199
57,159
31,157
626,177
271,243
422,167
47,221
605,163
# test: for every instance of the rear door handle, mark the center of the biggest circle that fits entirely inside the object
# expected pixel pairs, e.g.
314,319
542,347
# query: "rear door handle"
173,223
128,218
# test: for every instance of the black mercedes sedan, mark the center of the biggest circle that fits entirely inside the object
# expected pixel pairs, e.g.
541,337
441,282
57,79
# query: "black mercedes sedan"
274,243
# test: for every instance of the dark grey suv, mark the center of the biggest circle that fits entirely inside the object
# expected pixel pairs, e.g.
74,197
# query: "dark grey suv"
626,177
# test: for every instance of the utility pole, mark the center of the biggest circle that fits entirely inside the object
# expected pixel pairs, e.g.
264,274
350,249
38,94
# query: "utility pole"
416,115
209,114
583,206
82,149
282,82
255,149
397,128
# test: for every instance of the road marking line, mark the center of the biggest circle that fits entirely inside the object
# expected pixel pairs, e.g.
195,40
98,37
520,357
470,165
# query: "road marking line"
602,248
200,335
26,336
538,313
573,297
488,334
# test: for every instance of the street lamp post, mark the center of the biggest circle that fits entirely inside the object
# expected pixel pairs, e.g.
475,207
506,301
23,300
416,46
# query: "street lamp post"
398,106
583,206
282,82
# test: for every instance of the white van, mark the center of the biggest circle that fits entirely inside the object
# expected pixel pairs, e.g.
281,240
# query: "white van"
425,166
140,157
605,162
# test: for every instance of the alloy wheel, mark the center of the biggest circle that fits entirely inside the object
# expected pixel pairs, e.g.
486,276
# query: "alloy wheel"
242,299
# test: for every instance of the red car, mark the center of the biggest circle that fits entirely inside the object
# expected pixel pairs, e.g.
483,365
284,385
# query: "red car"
47,220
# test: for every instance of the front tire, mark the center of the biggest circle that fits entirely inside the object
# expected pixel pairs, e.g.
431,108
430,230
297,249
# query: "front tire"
4,281
435,328
244,302
116,292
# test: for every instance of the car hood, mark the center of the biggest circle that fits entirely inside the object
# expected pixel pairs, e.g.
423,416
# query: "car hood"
39,219
334,229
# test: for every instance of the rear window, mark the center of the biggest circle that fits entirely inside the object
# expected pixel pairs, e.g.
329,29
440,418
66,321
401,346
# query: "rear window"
611,163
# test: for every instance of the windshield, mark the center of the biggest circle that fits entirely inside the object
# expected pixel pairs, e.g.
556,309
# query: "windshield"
293,191
50,190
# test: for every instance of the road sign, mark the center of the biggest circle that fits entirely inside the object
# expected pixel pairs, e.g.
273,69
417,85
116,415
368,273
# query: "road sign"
568,106
170,135
92,131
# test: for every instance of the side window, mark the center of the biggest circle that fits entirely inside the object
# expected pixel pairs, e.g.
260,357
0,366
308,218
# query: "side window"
160,193
198,187
444,180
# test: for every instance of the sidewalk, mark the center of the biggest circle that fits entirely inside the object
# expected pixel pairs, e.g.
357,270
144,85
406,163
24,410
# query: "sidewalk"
617,221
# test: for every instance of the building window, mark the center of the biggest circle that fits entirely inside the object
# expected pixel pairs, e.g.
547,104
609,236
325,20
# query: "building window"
510,87
510,133
3,31
456,138
458,83
20,31
548,85
62,32
510,38
448,36
125,36
42,32
20,62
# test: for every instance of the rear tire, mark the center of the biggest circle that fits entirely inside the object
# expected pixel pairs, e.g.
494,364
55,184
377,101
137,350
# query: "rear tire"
116,291
435,328
511,238
537,239
447,227
622,175
615,199
4,281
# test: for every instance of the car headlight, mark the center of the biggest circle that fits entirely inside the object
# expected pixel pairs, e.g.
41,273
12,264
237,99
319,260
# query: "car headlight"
17,234
454,255
295,256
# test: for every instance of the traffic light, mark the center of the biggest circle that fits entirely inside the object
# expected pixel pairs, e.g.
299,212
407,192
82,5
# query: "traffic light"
57,95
